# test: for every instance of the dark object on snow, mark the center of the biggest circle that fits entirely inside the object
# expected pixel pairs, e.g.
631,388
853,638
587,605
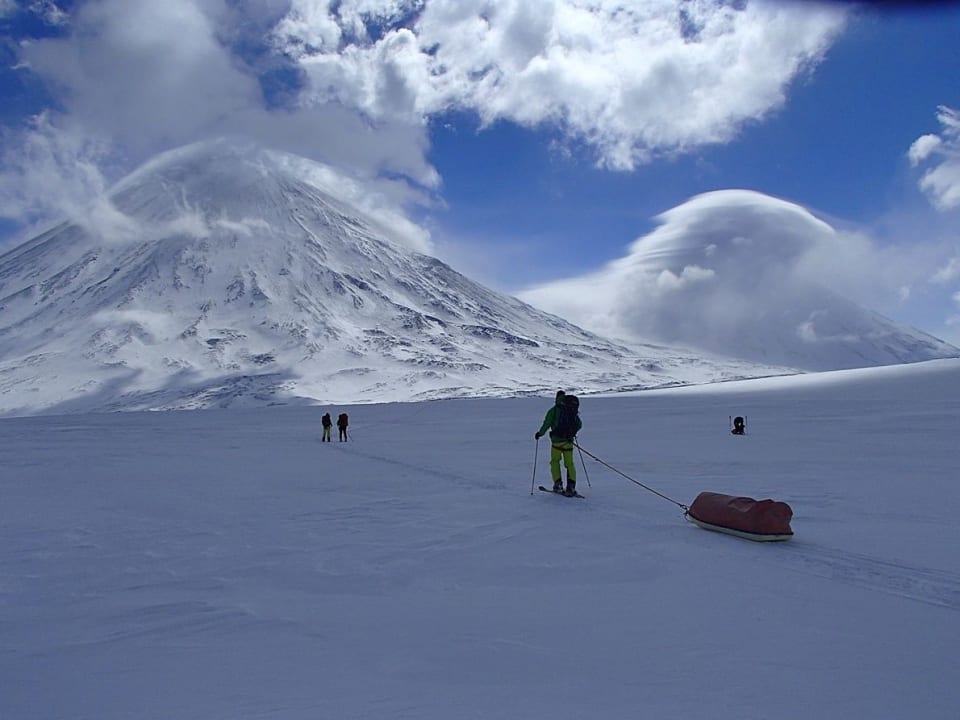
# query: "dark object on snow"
574,494
739,426
568,412
762,520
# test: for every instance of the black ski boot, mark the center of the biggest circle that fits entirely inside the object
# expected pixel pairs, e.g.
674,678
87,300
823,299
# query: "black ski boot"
558,485
571,488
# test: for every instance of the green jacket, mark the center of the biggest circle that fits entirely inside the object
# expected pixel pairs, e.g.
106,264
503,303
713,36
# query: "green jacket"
550,421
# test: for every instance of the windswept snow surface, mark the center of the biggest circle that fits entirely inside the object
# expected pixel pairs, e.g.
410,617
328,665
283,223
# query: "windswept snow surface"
226,564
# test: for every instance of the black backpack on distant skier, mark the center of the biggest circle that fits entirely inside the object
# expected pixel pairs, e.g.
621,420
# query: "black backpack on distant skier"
565,425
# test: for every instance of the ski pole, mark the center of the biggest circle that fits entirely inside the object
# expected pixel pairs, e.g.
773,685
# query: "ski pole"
585,473
536,452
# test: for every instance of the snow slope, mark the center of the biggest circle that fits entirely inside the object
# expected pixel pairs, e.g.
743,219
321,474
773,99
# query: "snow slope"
226,564
221,275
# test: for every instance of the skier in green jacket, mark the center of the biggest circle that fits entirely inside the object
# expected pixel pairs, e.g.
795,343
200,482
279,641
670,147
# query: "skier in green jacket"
563,422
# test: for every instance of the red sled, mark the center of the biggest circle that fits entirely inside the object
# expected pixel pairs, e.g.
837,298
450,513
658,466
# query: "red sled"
760,520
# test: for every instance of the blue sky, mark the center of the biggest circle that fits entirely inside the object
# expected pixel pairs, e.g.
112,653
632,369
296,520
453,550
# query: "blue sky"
838,146
535,142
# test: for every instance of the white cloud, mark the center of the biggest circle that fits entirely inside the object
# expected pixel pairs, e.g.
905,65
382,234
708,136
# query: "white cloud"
690,275
736,272
941,183
138,77
808,332
727,244
50,171
947,273
309,27
244,226
46,10
138,70
923,147
629,80
151,76
953,321
378,201
55,172
365,77
51,13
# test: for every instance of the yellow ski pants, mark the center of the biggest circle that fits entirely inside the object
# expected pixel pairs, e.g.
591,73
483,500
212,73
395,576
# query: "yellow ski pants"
562,450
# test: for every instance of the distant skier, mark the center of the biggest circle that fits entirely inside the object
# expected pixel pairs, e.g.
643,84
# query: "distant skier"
327,424
563,422
342,422
739,426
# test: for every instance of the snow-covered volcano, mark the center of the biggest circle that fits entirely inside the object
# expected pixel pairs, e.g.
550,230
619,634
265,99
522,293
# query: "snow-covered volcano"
219,275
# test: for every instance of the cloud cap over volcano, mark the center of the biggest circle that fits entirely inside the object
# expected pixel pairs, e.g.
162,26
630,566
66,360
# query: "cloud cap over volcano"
743,274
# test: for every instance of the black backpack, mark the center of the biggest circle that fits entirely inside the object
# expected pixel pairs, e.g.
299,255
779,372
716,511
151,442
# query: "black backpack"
565,422
739,426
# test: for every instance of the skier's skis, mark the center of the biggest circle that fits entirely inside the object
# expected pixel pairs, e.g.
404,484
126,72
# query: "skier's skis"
548,490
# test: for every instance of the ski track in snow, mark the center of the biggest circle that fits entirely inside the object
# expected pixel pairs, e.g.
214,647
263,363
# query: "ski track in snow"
421,468
925,585
933,587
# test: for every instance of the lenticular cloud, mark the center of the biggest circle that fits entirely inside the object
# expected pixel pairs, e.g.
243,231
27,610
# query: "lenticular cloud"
739,273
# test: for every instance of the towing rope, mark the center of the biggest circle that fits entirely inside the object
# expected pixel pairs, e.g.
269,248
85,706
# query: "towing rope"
635,482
